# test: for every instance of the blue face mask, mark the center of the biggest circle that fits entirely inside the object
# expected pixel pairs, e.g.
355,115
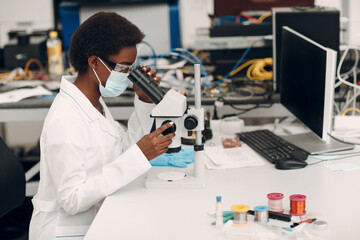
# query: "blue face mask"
115,85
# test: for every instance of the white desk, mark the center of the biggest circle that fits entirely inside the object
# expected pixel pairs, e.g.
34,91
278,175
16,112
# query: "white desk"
138,213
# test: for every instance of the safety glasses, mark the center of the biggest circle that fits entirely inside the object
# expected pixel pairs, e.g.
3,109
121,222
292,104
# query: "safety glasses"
119,67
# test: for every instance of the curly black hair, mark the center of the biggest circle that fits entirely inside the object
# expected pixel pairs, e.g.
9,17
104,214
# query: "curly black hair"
102,35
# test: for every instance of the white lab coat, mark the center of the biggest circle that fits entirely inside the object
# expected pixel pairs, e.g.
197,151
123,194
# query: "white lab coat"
84,158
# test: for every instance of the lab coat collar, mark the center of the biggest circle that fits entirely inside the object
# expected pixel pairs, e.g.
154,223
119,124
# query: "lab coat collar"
68,88
109,122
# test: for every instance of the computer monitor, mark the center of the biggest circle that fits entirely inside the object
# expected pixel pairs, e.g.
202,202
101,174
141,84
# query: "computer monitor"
320,24
307,77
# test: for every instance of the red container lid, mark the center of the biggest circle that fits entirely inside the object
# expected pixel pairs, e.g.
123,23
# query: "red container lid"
297,198
275,196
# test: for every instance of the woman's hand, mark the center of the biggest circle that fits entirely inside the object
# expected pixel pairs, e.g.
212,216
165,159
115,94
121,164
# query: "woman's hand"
153,145
152,74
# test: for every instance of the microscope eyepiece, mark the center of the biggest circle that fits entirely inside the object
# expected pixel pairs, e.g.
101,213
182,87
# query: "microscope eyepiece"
147,85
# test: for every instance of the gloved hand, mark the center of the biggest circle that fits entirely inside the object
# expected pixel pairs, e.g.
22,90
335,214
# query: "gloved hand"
180,159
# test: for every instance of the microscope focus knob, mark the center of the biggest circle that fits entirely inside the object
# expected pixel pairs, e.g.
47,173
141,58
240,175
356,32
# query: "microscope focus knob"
190,123
170,129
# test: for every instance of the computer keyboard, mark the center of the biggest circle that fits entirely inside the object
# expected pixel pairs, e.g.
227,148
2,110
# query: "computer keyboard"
272,147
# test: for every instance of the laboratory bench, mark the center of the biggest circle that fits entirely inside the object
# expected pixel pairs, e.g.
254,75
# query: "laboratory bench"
134,212
35,109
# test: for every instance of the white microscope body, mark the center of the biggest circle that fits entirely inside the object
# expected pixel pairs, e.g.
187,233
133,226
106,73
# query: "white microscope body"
172,106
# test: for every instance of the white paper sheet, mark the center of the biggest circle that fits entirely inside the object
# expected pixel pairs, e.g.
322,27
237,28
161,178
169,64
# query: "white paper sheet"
221,158
20,94
342,166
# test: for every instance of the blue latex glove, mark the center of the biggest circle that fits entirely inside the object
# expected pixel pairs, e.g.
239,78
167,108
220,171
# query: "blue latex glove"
180,159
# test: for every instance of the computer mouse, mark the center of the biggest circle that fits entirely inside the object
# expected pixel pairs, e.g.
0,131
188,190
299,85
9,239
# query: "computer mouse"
290,164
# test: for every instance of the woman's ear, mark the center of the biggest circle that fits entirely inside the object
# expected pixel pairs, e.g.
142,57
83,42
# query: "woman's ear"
93,62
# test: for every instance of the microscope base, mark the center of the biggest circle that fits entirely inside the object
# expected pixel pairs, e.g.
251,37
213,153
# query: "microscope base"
177,179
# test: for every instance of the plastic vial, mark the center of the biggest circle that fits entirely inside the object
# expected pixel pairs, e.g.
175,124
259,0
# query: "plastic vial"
54,53
219,213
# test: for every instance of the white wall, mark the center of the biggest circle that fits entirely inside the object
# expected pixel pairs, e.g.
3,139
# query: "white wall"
352,13
152,19
329,3
24,15
193,15
354,24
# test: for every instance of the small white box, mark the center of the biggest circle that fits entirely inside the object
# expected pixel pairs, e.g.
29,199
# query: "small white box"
346,122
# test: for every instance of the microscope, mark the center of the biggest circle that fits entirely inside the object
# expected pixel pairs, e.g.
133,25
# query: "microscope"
172,107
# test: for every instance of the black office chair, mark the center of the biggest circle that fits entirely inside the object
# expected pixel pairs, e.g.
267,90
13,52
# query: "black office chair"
12,180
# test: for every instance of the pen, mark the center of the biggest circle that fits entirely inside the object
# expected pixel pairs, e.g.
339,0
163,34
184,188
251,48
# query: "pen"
307,221
275,215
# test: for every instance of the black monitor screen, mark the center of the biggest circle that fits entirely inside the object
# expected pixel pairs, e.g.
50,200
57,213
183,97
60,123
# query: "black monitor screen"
303,77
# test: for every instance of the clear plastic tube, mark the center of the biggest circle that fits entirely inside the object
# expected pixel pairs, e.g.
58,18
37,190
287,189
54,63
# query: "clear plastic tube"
219,213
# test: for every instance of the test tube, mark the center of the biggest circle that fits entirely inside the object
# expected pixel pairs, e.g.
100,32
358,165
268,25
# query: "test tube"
219,213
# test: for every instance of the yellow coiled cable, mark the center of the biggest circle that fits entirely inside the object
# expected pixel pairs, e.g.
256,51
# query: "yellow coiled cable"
257,71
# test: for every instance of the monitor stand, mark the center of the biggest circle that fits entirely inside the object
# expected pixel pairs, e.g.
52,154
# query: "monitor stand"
311,143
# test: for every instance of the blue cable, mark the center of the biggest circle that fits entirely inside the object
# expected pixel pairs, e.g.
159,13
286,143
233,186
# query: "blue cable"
240,60
152,51
140,60
177,54
207,84
230,19
188,59
176,50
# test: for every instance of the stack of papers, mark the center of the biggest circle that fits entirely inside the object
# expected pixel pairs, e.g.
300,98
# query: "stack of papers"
20,94
222,158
